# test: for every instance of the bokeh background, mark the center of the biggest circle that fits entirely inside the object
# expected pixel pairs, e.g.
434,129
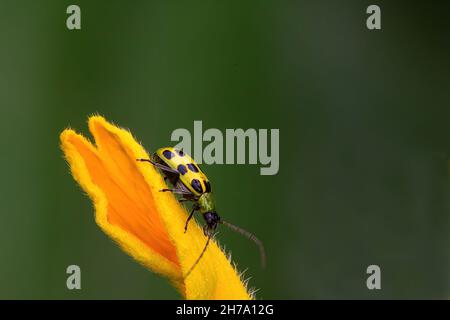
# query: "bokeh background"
364,123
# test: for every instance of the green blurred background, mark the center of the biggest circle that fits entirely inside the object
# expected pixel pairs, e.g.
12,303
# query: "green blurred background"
364,120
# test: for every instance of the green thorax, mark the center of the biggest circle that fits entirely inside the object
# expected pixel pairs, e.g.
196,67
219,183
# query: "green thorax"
207,203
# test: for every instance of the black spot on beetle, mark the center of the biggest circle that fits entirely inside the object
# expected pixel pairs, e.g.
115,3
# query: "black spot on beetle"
181,169
180,153
192,167
195,183
207,186
168,154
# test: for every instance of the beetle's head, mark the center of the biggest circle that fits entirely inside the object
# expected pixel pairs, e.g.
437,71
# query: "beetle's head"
212,219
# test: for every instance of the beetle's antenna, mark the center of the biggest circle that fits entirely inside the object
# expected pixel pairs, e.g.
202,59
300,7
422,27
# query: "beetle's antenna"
200,256
250,236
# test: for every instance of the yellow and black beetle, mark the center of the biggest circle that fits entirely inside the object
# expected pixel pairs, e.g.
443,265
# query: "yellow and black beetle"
189,181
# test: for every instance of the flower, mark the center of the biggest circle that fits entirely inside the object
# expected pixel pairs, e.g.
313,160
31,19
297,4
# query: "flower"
146,223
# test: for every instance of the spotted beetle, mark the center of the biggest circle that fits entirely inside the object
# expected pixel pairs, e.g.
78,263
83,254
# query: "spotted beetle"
189,181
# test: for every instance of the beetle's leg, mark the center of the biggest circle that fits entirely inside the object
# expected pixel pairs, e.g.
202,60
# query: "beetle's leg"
194,208
159,165
179,189
206,230
176,191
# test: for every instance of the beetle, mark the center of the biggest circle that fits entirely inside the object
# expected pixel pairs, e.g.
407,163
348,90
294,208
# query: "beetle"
189,181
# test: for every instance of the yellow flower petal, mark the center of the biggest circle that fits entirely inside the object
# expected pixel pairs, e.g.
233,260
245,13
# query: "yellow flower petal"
146,223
